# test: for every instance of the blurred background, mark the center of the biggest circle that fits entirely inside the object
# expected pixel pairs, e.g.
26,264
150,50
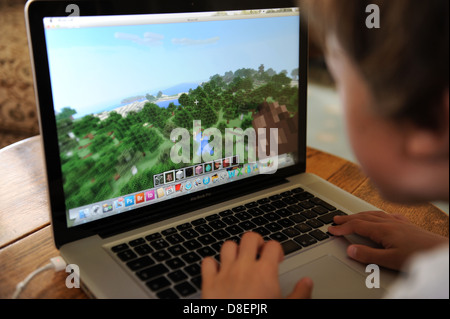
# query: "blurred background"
18,114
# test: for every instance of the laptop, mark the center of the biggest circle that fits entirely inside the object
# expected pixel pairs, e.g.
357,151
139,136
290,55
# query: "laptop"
170,127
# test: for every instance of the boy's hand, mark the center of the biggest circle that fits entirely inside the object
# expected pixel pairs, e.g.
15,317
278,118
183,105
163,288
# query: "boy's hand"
242,276
399,237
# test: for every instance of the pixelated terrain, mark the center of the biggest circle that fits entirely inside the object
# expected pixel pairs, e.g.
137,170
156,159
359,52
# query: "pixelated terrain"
117,152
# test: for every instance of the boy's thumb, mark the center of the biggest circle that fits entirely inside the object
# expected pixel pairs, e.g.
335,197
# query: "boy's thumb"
303,289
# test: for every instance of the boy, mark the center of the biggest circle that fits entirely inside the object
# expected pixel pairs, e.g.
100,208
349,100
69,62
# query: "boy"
393,82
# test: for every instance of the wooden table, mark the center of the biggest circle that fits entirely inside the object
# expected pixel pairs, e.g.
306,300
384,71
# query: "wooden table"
25,232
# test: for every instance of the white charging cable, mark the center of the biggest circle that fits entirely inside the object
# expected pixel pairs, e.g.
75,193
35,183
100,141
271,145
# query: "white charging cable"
56,263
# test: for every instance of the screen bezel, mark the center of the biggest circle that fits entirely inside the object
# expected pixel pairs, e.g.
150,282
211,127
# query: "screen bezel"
36,11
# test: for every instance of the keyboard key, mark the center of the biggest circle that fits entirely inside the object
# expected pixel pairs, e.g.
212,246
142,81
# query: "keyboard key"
203,229
126,255
251,205
120,247
212,217
279,204
262,231
193,269
297,218
177,250
243,216
283,212
225,213
198,222
234,230
303,196
197,281
143,249
247,225
303,228
275,197
305,240
273,227
206,251
177,276
189,233
184,226
255,212
272,216
239,209
169,231
167,294
280,237
322,203
320,210
294,208
185,289
290,200
140,263
314,223
291,232
319,235
263,201
206,239
175,239
159,244
175,263
217,246
267,208
151,272
297,190
259,221
161,255
158,284
153,236
220,234
192,244
217,224
137,242
290,246
286,193
306,204
230,220
190,257
309,214
285,222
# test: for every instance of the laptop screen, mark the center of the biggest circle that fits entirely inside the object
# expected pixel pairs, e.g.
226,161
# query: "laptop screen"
150,108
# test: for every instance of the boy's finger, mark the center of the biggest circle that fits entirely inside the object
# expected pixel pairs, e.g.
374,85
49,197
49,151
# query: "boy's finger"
374,231
272,253
210,269
303,289
250,246
377,216
382,257
228,254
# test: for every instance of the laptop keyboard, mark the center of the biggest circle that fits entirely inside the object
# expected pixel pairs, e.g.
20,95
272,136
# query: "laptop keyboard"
169,262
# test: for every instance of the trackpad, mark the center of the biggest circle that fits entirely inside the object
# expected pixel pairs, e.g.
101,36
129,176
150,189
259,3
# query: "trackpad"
332,280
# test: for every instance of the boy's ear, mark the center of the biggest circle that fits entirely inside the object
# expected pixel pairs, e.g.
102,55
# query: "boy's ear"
432,144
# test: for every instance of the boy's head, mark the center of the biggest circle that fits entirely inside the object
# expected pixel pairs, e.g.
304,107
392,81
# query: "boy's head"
393,82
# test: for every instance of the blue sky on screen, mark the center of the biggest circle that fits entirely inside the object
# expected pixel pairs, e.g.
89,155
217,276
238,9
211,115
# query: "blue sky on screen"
93,69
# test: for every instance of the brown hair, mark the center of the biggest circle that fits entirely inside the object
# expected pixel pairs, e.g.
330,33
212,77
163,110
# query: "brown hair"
405,61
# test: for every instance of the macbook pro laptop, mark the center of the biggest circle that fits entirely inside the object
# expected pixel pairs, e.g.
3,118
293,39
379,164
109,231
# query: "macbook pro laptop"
170,127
